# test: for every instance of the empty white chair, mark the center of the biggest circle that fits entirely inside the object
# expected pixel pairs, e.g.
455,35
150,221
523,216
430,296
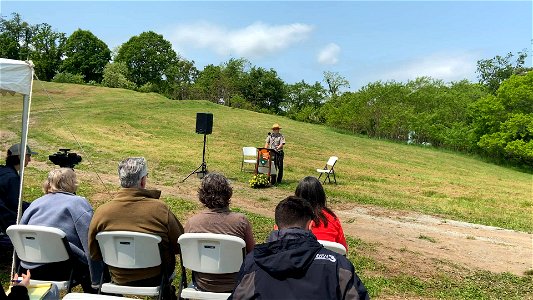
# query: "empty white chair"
333,246
209,253
249,156
329,169
131,250
41,244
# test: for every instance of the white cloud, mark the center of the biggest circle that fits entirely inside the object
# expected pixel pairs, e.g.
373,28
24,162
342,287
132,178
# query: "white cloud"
255,40
448,67
329,55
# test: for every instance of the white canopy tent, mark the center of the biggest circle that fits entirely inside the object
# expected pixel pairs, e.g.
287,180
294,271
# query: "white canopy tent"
17,77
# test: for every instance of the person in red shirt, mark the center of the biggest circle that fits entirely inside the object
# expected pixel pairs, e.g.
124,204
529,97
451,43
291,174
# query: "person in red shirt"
326,225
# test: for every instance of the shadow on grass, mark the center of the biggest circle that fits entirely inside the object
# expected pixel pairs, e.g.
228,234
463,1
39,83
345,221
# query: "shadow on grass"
6,257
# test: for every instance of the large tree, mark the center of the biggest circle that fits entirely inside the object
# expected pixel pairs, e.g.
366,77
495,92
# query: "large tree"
264,89
148,57
492,72
303,101
506,120
47,51
15,37
180,78
85,54
335,83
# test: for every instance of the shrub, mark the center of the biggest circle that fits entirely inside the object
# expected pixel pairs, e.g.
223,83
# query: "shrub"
115,76
148,88
68,78
259,181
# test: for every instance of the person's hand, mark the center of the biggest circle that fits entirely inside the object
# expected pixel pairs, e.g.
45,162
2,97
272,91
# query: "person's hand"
25,279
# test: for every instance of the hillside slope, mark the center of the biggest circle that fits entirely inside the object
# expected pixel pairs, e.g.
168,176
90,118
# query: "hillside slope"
113,123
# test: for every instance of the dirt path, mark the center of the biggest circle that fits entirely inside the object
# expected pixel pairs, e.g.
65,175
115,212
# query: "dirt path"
422,243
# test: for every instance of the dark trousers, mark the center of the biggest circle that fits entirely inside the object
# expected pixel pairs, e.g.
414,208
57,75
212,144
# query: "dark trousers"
279,165
61,271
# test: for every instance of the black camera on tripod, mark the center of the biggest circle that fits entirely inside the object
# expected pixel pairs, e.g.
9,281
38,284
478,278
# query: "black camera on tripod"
64,159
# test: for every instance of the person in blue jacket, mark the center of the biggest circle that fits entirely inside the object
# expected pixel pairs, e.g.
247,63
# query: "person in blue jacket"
61,208
294,265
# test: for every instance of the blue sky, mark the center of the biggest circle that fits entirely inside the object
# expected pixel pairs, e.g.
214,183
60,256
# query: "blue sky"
364,41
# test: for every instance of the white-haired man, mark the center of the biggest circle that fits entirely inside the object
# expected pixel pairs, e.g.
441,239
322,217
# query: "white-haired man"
135,208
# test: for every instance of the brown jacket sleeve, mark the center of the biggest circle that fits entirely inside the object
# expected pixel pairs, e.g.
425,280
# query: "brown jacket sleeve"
175,229
94,248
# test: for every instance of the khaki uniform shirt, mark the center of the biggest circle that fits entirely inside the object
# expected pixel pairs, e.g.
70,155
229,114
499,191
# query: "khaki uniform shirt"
274,140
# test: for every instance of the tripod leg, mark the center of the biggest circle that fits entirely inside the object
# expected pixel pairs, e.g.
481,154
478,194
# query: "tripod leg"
195,171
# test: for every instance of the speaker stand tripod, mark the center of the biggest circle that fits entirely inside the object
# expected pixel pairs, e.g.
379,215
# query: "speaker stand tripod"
202,168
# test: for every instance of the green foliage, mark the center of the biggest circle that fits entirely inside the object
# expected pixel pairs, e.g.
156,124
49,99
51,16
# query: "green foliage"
302,94
492,72
85,54
15,37
505,122
148,57
259,181
68,78
148,88
335,83
115,76
39,43
238,101
47,51
180,77
264,89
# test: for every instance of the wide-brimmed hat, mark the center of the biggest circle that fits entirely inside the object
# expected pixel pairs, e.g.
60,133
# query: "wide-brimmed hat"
276,126
15,150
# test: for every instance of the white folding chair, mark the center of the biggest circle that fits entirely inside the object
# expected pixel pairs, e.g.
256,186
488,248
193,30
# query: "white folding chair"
42,245
333,246
249,156
329,169
209,253
131,250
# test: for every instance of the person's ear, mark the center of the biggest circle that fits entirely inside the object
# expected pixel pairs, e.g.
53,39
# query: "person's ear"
309,225
143,182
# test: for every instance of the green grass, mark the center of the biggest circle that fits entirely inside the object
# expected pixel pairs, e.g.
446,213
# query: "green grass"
111,124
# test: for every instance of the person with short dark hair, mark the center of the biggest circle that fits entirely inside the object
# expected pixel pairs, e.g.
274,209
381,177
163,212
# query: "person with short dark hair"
294,265
326,225
215,194
61,208
137,209
10,186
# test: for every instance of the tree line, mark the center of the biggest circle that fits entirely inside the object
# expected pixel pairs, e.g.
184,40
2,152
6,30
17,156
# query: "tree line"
492,117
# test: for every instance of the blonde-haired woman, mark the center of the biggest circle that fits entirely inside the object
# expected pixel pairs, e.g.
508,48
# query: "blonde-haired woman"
61,208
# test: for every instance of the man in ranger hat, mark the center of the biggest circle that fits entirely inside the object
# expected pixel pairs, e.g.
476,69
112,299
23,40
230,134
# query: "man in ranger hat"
10,185
276,141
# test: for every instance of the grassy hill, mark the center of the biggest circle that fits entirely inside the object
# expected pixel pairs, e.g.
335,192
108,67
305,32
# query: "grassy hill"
111,124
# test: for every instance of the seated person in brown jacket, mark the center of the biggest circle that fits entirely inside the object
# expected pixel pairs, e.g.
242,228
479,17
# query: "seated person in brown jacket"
135,208
215,193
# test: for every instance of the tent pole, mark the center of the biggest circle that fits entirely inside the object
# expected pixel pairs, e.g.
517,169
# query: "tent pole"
23,142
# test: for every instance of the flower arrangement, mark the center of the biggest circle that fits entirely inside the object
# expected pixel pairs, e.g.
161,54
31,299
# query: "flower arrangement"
259,181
